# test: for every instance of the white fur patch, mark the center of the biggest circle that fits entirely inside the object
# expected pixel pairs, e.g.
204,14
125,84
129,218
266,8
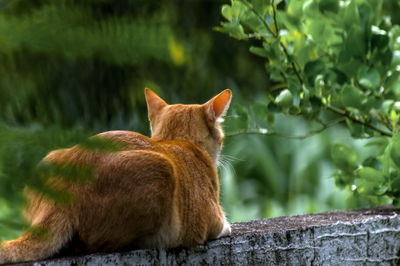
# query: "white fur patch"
226,229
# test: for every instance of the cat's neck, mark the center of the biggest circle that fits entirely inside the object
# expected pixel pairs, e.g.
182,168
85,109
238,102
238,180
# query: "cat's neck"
212,152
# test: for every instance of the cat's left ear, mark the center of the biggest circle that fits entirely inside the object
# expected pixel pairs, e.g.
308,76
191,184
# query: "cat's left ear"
154,103
218,105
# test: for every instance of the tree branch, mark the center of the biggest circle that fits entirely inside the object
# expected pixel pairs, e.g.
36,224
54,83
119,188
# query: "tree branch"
355,120
266,132
274,15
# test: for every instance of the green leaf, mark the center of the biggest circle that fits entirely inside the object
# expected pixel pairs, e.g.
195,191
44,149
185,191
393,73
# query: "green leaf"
226,11
372,161
395,150
261,6
284,99
379,142
342,179
365,11
356,130
395,184
329,6
249,19
294,84
344,157
355,41
379,41
370,174
393,82
322,32
234,29
370,181
350,15
384,57
335,76
369,78
348,64
351,96
386,106
310,7
312,69
258,51
234,11
275,53
304,50
394,118
396,202
295,8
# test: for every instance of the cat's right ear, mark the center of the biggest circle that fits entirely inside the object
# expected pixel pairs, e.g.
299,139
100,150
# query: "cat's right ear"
154,102
218,105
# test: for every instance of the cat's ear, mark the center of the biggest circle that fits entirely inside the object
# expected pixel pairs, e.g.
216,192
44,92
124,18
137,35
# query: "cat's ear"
218,105
154,102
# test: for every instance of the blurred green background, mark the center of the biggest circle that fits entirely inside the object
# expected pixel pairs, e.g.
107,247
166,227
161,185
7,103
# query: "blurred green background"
70,69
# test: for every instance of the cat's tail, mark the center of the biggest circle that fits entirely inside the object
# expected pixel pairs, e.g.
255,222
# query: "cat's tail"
45,238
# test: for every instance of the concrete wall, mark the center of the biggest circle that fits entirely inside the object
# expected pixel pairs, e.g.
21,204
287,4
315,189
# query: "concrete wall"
363,237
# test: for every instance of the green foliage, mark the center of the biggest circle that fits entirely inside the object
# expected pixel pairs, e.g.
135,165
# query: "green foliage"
74,46
38,232
344,157
21,150
274,176
98,144
70,69
332,60
115,41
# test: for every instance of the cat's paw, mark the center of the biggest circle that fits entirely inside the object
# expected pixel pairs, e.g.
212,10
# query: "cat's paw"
226,229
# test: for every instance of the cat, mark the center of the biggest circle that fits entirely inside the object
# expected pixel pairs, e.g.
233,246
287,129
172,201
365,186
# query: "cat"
158,192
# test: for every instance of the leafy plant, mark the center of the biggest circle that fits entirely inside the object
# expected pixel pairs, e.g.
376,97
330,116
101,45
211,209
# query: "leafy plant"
332,62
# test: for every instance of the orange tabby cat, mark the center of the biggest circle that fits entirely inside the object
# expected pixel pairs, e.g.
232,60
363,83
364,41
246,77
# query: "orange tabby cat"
158,192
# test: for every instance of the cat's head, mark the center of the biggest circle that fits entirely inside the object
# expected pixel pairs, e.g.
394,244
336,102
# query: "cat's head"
197,123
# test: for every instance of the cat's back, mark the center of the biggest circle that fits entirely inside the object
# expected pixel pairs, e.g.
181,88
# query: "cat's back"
127,140
195,170
116,140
